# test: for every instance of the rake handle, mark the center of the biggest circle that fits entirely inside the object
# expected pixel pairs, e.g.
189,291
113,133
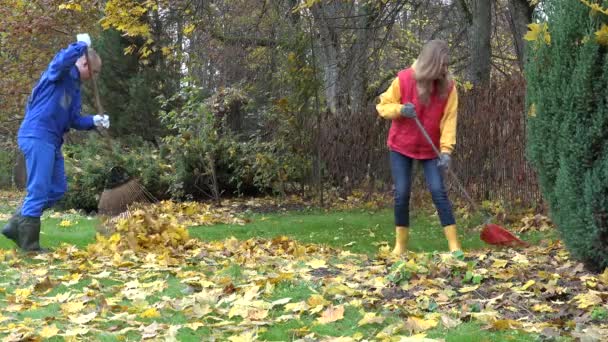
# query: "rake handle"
102,132
451,172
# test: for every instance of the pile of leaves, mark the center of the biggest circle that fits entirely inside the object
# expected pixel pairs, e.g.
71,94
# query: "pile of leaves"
245,290
198,213
143,228
536,222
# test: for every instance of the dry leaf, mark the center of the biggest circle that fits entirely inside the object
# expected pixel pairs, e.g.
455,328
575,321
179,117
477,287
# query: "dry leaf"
331,314
48,331
83,319
370,318
416,325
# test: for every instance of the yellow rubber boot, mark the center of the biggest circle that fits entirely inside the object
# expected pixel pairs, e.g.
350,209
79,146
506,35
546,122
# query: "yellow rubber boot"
452,236
401,238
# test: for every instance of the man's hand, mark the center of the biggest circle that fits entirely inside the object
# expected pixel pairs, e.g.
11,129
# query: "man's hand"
444,161
101,121
408,110
84,37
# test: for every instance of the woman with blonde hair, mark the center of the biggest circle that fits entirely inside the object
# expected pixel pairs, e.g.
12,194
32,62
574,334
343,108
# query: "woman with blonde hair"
426,91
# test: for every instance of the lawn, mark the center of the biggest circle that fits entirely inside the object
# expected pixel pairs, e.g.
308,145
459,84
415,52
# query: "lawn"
128,299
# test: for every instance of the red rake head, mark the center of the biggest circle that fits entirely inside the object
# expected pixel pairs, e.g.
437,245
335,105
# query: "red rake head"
494,234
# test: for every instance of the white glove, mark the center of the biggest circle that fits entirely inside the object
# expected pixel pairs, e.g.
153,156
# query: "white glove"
84,37
101,121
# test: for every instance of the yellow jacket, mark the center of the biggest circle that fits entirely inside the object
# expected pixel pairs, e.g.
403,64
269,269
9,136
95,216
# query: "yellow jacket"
389,107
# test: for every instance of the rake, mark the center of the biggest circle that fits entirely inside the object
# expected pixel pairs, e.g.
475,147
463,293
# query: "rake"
120,190
491,233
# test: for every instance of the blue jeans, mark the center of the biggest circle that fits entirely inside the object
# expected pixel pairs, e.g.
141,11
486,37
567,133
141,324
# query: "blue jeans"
401,168
46,181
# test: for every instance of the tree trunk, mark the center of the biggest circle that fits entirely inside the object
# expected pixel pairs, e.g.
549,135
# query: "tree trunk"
520,15
329,39
479,70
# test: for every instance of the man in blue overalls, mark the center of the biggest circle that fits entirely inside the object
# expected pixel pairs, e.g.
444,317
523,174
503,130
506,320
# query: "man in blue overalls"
52,109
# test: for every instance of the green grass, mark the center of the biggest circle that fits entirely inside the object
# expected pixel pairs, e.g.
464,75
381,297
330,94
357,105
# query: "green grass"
356,230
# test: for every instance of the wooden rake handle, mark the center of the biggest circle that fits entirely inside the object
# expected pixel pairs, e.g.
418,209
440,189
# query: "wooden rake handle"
102,132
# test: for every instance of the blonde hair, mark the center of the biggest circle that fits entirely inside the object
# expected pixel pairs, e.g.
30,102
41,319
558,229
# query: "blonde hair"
429,70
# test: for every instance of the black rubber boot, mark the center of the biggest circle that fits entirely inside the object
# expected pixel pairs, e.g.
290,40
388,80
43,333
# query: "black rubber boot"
29,234
11,229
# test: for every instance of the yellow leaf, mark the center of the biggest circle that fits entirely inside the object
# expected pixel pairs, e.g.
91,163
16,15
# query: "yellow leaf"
317,263
588,299
83,319
537,31
332,314
601,36
467,86
543,308
73,7
467,289
49,331
604,277
595,7
417,325
150,313
257,314
238,310
76,332
533,32
249,336
189,28
505,324
528,284
370,318
22,294
532,111
296,307
72,307
499,263
487,317
316,300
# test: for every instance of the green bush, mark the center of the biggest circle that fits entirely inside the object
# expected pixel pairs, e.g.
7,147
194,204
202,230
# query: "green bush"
88,165
209,157
567,78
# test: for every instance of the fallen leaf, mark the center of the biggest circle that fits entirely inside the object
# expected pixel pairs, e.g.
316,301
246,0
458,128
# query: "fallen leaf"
72,307
316,300
449,322
150,313
244,337
317,263
505,324
586,300
416,325
543,308
48,331
467,289
331,314
370,318
83,319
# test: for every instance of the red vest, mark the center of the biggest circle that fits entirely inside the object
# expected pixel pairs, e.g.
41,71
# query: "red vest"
404,135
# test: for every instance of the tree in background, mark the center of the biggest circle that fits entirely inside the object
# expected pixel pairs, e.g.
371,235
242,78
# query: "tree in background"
31,33
567,74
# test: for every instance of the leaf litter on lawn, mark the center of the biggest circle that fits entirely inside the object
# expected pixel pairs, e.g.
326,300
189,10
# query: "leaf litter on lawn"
150,270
